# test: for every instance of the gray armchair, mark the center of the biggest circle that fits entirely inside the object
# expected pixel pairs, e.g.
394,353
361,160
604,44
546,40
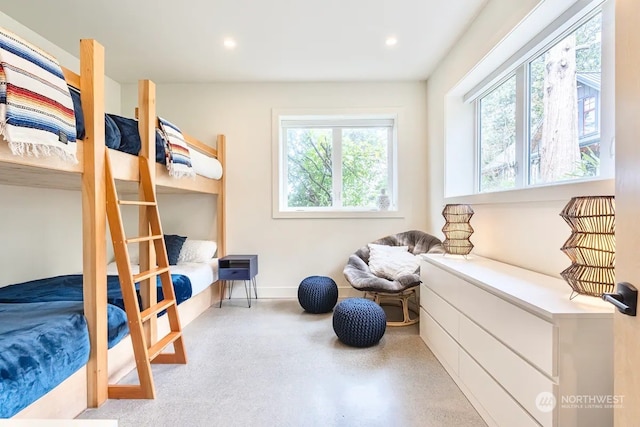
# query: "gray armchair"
402,288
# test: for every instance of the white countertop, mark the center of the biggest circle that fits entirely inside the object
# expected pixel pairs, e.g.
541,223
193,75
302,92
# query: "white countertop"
541,294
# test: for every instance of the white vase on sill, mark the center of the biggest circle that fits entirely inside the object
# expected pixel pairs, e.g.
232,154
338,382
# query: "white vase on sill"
383,200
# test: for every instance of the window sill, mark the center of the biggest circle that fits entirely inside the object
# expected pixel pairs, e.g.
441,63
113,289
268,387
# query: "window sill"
546,193
337,214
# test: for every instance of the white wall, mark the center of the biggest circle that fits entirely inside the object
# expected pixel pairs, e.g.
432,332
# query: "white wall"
41,233
291,249
41,229
527,234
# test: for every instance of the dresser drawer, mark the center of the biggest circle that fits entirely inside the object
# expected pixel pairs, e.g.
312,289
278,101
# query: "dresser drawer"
440,282
234,274
439,342
503,410
534,338
519,378
440,310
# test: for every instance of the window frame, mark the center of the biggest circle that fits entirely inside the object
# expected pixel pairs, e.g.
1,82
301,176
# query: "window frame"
537,29
521,69
337,119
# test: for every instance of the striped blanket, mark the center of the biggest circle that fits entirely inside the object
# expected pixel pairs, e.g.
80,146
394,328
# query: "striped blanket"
178,156
36,110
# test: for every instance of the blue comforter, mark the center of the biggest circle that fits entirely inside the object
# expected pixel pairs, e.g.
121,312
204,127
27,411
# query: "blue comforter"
69,288
41,344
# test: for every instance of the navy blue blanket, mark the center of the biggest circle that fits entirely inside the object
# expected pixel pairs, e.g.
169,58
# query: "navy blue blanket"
69,288
41,345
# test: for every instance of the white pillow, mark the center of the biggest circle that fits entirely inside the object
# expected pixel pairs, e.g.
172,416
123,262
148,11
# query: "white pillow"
389,248
197,251
392,263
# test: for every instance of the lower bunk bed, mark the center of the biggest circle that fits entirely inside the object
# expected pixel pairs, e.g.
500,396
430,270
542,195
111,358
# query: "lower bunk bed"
42,344
65,396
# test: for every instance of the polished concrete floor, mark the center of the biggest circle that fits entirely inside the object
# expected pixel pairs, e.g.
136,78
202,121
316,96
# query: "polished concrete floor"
275,365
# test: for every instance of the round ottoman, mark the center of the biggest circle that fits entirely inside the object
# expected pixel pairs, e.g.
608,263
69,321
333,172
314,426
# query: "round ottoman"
359,322
318,294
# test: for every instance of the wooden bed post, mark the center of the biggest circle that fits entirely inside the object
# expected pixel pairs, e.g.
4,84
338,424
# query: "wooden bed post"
94,243
147,129
221,206
222,194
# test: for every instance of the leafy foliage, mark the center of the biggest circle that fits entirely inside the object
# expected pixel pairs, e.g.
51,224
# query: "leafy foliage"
498,137
310,172
364,166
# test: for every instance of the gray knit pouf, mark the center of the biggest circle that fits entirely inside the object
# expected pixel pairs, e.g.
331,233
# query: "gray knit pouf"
359,322
318,294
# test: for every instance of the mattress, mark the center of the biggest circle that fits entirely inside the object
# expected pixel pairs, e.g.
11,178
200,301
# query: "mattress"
41,345
200,274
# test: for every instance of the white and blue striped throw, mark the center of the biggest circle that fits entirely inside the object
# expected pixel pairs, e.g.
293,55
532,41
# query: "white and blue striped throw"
36,110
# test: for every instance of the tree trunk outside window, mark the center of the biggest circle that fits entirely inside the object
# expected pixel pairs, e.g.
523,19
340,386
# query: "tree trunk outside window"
559,148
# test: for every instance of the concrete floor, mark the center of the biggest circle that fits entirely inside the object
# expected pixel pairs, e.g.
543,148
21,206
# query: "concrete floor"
275,365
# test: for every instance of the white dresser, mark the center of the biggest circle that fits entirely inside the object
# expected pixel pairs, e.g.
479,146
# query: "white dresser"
520,350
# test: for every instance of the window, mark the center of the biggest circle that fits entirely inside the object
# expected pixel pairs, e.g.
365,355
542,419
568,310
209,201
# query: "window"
337,163
498,137
540,123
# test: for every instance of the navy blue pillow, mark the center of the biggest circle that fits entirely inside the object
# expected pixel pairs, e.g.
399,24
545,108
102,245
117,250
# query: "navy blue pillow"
129,136
160,150
77,109
174,244
111,133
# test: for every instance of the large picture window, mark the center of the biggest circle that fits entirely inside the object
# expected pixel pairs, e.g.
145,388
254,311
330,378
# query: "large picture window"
541,123
337,163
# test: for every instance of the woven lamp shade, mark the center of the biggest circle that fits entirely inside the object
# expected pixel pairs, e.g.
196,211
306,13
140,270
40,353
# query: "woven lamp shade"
591,247
457,229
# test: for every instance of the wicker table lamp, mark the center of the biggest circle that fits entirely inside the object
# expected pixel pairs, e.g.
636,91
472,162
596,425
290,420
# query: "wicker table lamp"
591,245
457,229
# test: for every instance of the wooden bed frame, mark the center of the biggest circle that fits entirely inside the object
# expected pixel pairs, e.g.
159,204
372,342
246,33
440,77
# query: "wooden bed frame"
88,387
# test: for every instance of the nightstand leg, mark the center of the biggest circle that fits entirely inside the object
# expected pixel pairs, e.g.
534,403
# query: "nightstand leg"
247,291
223,287
231,288
255,286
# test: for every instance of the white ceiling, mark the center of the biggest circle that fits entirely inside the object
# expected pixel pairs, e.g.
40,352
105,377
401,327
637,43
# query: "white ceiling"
277,40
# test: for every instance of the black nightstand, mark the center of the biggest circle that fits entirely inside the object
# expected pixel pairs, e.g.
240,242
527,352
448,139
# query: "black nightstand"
238,267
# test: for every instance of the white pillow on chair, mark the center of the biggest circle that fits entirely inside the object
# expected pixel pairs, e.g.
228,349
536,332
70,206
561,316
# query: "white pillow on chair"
391,262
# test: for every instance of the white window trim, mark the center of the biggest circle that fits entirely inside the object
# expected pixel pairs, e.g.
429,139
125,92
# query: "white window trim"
463,187
278,165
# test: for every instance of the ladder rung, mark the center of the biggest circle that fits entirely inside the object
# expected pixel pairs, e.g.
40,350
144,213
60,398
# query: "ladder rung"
136,202
144,238
155,349
148,274
155,309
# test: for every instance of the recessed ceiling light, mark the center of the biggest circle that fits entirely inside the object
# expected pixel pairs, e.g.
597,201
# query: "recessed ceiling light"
391,41
229,43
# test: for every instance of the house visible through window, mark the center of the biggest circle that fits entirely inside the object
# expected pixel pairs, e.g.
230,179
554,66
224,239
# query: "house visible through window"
337,163
541,123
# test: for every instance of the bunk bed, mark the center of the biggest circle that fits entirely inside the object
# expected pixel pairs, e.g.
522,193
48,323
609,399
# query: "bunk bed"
88,387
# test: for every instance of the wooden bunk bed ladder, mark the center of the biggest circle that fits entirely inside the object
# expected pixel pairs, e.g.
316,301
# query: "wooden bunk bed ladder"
145,352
